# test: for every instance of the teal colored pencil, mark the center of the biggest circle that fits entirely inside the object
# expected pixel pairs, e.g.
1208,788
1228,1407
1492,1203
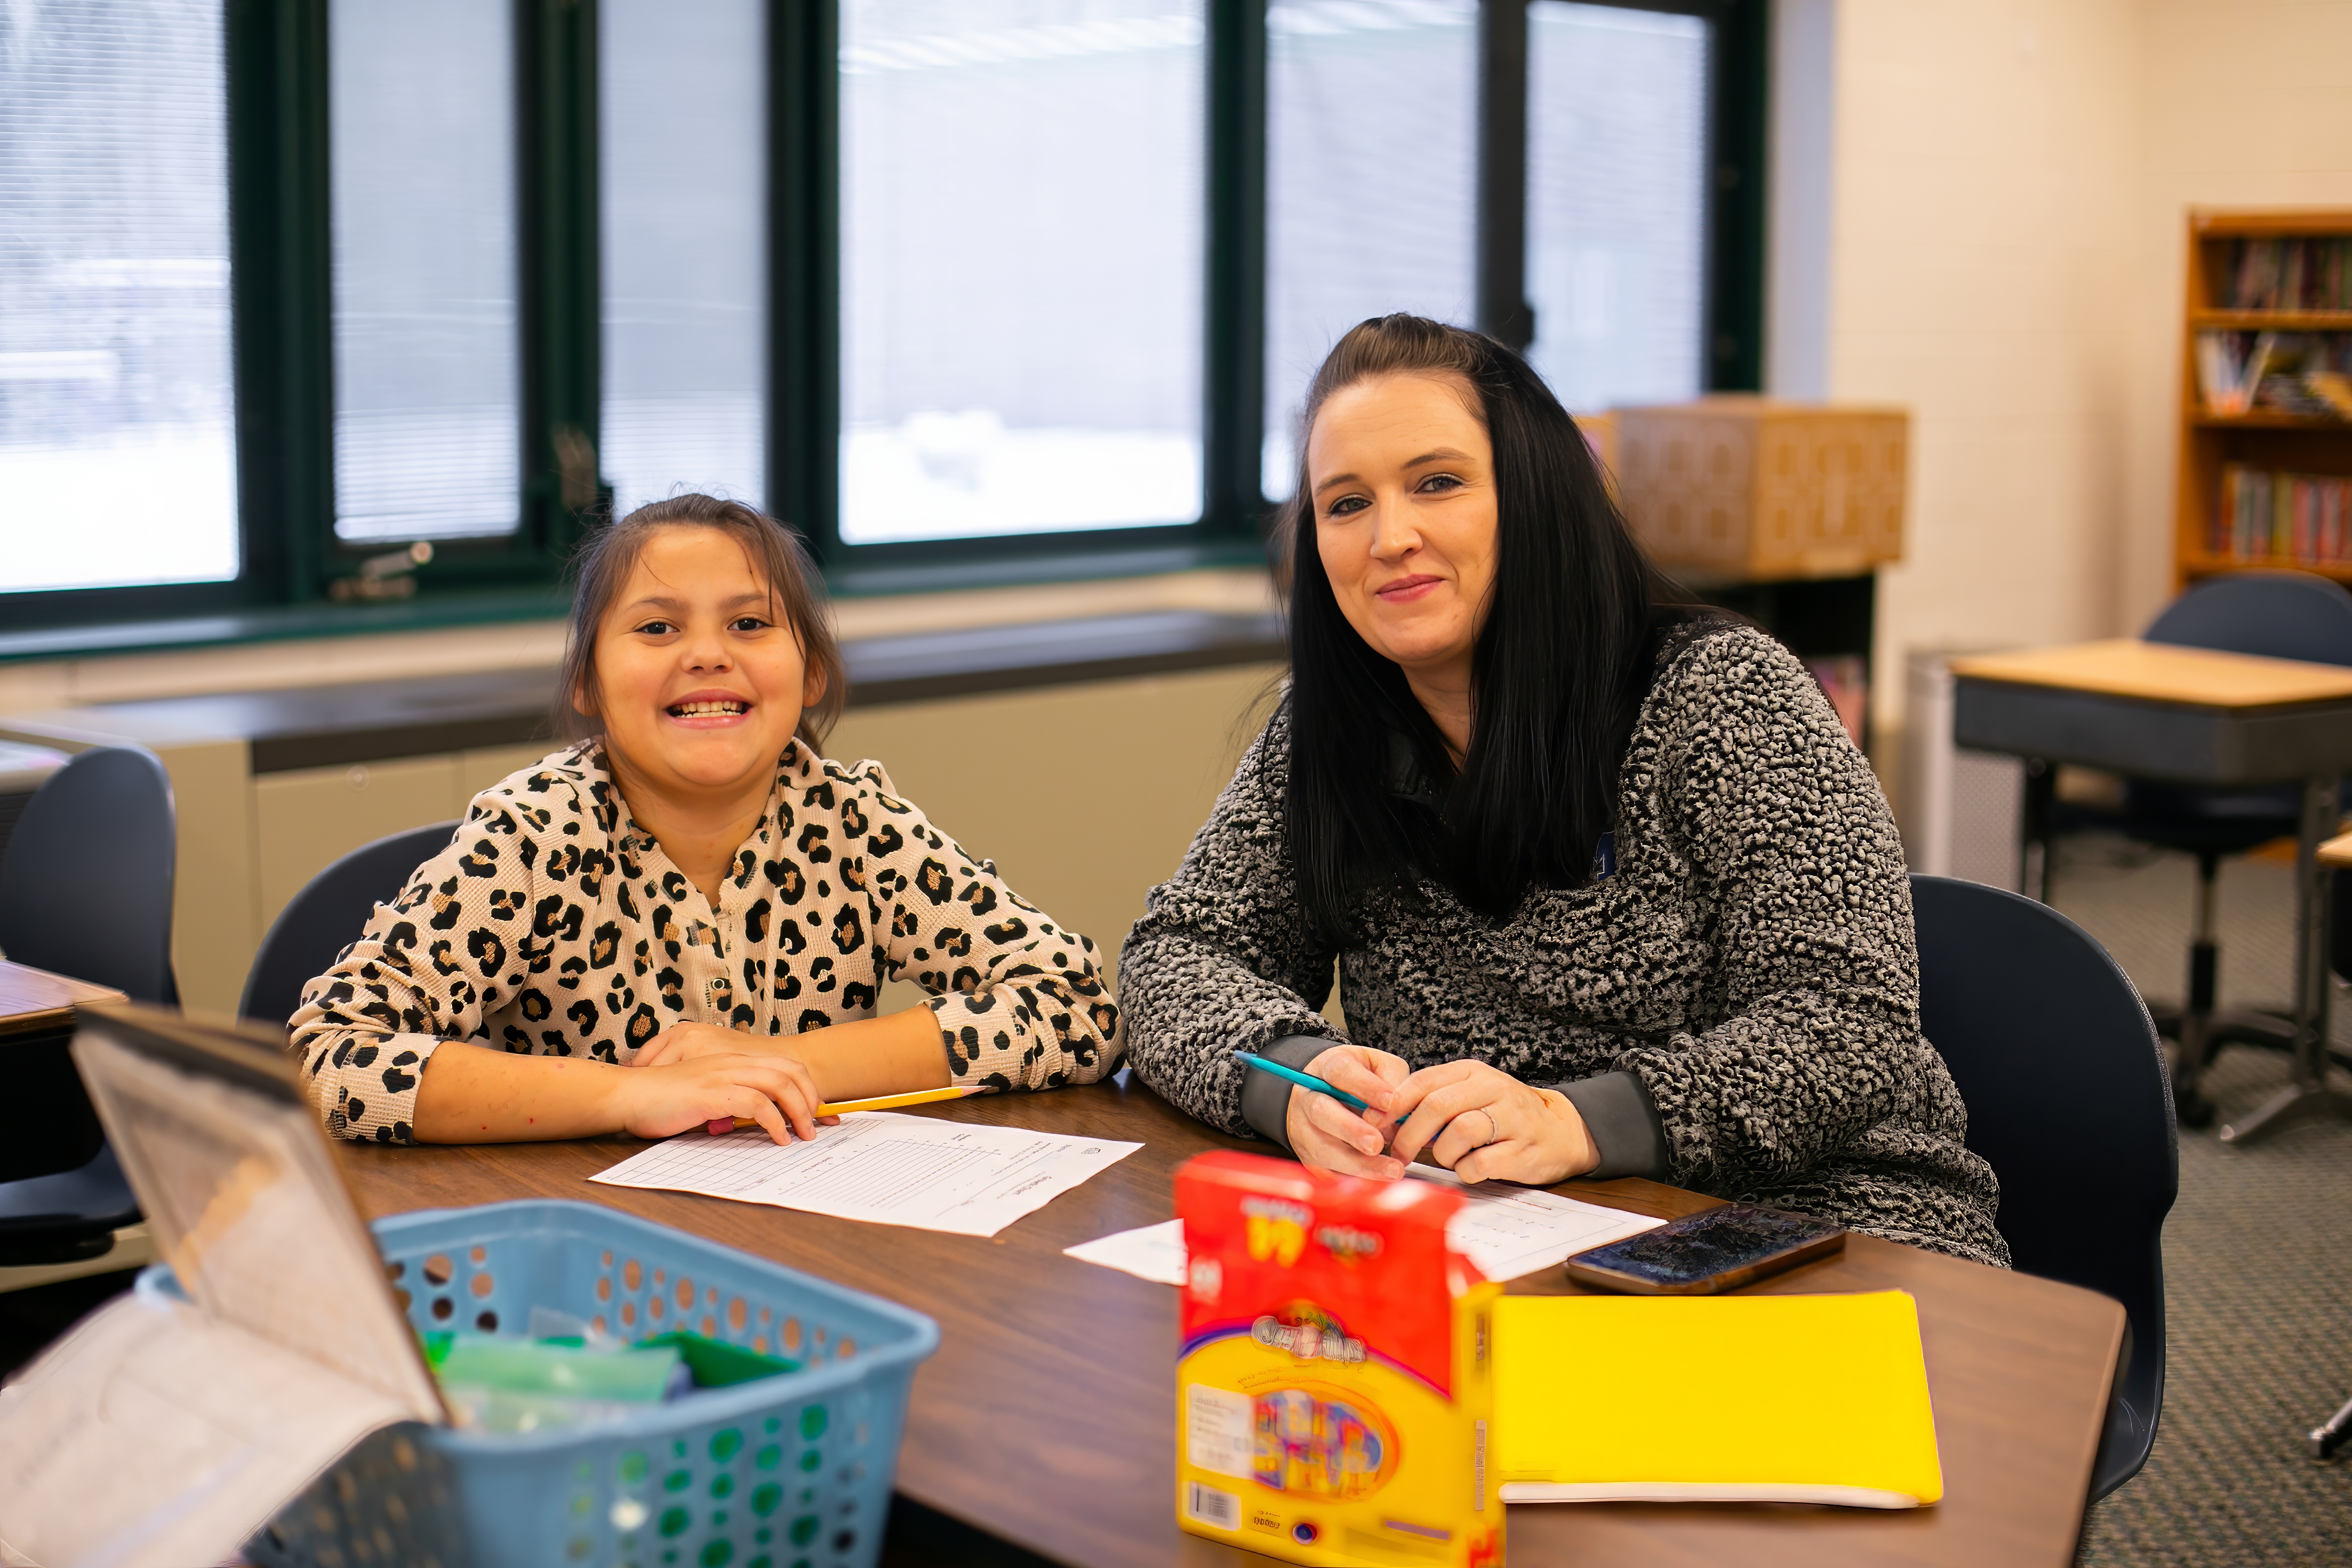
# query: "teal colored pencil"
1303,1080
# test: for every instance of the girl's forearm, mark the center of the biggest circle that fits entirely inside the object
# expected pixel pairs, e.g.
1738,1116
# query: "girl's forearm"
469,1095
895,1053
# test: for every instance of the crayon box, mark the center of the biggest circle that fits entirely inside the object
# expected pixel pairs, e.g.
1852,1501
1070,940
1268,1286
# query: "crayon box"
1335,1390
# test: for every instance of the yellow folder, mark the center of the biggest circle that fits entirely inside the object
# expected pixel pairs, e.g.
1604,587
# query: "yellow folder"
1714,1398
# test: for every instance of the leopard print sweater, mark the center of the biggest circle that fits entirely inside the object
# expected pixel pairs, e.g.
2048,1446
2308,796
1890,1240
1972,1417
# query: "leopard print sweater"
553,925
1750,959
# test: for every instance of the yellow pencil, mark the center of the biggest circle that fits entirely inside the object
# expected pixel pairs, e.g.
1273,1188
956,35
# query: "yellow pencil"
878,1102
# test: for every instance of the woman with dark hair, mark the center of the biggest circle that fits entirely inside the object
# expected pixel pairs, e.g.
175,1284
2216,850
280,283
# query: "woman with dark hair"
1609,889
686,918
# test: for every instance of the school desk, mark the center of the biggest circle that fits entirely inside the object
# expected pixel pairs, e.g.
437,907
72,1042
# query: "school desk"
1049,1417
2191,716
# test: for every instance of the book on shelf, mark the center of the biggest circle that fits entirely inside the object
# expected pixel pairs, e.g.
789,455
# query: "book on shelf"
2268,515
2289,273
2307,374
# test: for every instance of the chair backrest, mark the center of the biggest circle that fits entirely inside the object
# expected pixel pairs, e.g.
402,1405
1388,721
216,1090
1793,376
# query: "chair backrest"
327,917
2280,615
86,886
2069,1102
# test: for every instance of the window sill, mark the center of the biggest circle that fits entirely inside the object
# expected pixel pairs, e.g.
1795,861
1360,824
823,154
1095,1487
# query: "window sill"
456,608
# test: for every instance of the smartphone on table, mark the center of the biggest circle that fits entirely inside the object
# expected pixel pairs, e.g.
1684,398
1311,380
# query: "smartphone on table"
1716,1250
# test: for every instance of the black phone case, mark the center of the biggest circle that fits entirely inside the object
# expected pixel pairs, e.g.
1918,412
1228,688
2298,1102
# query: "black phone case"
1824,1239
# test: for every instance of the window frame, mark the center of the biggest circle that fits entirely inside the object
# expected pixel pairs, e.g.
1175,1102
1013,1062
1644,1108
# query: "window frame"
281,302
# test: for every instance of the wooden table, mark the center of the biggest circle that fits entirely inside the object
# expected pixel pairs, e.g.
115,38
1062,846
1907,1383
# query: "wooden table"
2193,716
34,999
1049,1417
47,1124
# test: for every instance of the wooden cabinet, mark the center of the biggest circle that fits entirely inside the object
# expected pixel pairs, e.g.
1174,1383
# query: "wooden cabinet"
2265,477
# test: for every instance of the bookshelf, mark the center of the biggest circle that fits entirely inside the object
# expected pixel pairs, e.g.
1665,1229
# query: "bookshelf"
2266,395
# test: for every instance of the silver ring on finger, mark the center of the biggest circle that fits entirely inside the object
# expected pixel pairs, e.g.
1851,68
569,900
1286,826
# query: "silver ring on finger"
1494,1128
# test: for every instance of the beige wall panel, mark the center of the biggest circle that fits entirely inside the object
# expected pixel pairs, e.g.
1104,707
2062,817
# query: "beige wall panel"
477,770
304,820
1085,796
215,924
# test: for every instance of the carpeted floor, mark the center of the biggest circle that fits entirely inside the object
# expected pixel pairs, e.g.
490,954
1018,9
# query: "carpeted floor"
2257,1255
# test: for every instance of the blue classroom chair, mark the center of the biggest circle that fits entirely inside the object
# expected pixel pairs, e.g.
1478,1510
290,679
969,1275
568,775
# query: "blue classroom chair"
2068,1102
85,890
327,917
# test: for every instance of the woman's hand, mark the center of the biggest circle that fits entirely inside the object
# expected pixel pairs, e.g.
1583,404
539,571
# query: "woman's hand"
1483,1124
1326,1134
773,1091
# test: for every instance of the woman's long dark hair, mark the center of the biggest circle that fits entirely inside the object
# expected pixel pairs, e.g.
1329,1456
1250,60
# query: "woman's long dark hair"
1557,677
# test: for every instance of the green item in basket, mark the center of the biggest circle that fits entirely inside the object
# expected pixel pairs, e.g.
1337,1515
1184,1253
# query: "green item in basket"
640,1375
714,1364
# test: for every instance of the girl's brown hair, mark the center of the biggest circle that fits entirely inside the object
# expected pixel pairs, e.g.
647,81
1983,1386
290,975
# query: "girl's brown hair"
601,567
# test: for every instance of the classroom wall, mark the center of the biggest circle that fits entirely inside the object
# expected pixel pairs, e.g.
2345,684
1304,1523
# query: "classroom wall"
1979,211
2248,104
1977,206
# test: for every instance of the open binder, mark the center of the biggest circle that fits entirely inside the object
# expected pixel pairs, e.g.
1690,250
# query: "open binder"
169,1425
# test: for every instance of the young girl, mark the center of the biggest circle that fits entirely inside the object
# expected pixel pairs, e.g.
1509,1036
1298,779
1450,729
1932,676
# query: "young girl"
688,915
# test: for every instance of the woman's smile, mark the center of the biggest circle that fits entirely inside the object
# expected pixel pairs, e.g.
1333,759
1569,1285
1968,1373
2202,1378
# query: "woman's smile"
1407,590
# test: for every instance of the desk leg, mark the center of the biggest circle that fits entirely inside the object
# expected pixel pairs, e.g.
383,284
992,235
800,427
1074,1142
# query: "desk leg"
2037,837
2309,1094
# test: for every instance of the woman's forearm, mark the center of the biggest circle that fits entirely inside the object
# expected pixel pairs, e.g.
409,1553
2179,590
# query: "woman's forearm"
470,1095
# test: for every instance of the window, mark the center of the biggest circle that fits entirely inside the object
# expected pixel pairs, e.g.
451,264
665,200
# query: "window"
1371,183
965,289
682,210
426,315
1021,303
117,458
1616,202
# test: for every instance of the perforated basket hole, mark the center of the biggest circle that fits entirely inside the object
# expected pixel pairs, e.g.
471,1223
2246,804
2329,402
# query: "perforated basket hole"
482,1285
653,1309
628,1314
438,1270
488,1321
789,1338
685,1294
603,1287
442,1308
759,1344
596,1324
394,1269
480,1256
660,1274
632,1275
736,1315
844,1350
402,1297
709,1328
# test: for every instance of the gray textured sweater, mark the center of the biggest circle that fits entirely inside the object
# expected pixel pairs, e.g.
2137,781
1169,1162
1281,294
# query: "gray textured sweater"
1749,963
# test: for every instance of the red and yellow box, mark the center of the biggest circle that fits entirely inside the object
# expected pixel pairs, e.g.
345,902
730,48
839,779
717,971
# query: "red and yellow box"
1334,1394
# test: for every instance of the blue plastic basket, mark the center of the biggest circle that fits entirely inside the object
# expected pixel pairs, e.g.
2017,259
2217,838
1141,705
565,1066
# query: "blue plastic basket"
792,1471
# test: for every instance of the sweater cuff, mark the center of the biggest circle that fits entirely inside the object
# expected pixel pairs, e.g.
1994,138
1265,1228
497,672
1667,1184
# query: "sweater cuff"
1623,1120
1265,1099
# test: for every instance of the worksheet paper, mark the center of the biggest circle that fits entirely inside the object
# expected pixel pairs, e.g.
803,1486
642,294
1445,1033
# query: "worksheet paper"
1506,1231
1154,1252
883,1167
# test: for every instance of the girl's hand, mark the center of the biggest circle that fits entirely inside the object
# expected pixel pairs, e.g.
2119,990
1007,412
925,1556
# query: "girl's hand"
772,1090
1483,1124
684,1042
1327,1134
